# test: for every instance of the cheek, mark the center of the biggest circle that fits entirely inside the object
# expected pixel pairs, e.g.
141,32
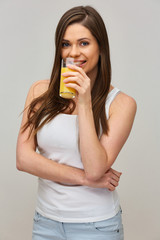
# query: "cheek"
93,53
95,57
64,53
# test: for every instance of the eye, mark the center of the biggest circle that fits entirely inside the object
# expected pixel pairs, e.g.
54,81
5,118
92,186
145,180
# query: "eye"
84,43
65,44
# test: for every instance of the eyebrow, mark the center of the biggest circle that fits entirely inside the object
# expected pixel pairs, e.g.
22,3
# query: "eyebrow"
80,39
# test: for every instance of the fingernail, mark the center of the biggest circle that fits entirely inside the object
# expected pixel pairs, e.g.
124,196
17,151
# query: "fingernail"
70,66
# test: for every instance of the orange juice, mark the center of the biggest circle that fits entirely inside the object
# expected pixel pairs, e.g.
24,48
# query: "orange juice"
66,92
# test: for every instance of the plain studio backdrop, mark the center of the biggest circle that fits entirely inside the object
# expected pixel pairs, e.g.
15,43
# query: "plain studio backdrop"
26,55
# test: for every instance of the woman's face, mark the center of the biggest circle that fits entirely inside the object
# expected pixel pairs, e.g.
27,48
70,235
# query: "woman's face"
79,43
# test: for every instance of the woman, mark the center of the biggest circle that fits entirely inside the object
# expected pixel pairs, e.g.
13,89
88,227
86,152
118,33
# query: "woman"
79,139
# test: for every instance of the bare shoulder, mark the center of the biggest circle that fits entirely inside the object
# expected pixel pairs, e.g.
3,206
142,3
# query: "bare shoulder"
39,87
36,89
123,103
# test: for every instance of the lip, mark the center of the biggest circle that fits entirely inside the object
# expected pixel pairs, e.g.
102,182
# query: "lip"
80,63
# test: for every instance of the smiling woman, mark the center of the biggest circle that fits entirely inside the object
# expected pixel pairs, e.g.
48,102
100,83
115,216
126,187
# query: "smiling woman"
83,47
78,139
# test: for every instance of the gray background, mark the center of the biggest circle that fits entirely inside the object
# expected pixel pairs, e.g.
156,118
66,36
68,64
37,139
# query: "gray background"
26,55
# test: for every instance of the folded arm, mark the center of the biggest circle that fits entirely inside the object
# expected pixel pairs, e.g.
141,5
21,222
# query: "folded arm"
99,155
28,160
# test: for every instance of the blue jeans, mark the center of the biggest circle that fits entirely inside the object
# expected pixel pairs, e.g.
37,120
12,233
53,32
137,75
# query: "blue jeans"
47,229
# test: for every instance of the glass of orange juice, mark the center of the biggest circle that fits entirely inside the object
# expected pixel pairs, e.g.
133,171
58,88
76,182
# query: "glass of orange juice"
66,92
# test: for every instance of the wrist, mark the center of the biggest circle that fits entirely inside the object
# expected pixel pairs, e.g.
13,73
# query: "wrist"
85,108
84,180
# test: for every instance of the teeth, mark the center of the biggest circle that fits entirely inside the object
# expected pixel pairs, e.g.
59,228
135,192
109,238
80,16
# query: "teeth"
79,63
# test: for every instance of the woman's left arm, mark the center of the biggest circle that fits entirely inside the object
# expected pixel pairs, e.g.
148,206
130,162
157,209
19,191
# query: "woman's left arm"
99,155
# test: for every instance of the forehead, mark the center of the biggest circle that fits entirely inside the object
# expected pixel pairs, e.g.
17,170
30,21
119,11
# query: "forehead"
77,31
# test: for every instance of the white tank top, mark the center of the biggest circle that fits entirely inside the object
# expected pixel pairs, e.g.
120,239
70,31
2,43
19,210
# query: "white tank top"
58,140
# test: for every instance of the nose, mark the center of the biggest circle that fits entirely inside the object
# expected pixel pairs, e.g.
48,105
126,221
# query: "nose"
75,51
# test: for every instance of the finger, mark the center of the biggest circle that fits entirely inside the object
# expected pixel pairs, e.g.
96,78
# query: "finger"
73,80
115,171
78,69
75,86
111,187
114,183
115,177
67,74
118,174
73,74
81,89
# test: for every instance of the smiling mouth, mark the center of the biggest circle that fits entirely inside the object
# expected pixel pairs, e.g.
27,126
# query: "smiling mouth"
80,63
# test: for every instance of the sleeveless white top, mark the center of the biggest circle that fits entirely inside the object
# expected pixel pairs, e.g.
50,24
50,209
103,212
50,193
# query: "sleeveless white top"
58,140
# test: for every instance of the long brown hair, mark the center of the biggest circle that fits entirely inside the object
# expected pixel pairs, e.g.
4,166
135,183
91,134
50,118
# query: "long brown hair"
51,103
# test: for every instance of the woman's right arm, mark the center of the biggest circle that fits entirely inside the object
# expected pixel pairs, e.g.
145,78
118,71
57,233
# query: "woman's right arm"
28,160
